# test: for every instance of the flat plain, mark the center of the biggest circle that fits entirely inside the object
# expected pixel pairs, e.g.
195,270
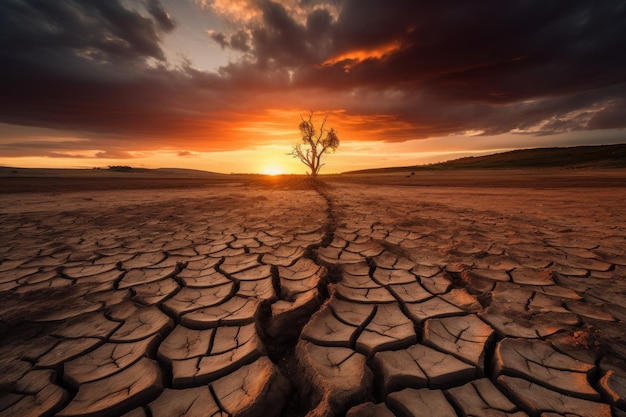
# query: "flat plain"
434,293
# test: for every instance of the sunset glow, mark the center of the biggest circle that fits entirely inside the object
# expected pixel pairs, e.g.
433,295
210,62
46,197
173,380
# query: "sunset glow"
222,85
356,56
273,170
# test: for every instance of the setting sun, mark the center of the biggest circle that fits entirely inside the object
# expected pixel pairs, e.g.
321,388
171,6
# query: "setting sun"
273,170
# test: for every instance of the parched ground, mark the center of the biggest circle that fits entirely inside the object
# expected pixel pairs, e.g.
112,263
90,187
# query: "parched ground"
261,299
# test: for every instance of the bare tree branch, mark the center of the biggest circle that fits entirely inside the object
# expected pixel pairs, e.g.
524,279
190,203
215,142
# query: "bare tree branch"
317,143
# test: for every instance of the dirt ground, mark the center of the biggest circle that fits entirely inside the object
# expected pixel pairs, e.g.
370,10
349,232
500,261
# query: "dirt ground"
477,292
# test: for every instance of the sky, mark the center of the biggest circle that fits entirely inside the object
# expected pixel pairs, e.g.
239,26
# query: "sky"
221,85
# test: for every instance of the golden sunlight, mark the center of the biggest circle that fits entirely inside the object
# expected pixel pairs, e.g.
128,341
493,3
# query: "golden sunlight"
272,170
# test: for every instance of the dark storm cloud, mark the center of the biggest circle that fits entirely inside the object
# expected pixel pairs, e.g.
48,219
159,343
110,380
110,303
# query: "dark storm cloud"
504,63
92,66
240,41
437,68
280,38
612,118
102,30
489,51
220,38
493,66
161,16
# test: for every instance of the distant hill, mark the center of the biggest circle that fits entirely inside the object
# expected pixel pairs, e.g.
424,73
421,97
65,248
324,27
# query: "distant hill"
601,156
189,172
116,171
117,177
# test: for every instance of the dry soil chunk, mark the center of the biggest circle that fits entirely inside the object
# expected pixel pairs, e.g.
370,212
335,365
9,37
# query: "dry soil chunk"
66,350
393,276
203,265
236,263
326,330
462,299
334,255
291,289
482,398
420,366
145,276
390,261
370,410
434,307
329,254
364,295
87,270
539,362
106,360
304,268
388,329
437,284
357,269
541,303
359,281
355,314
189,299
410,293
589,310
231,348
203,278
103,277
37,396
284,255
420,403
192,402
425,271
143,260
235,311
41,403
465,337
514,324
338,376
254,274
530,276
586,263
184,343
289,316
262,289
492,274
117,394
539,399
88,325
155,292
253,390
142,323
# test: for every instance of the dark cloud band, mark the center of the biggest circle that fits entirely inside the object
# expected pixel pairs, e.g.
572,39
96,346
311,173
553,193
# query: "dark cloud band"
439,68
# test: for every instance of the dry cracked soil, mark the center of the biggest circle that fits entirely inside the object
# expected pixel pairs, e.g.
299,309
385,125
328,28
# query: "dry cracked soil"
336,300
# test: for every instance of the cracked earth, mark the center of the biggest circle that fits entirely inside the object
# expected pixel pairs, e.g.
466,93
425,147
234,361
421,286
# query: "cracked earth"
344,300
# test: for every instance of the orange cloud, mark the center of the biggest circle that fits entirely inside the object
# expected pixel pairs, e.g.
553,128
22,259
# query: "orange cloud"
235,10
356,56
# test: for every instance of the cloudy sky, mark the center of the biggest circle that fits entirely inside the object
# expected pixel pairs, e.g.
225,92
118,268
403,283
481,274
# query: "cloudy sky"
221,84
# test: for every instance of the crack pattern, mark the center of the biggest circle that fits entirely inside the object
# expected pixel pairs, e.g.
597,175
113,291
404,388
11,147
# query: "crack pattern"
325,302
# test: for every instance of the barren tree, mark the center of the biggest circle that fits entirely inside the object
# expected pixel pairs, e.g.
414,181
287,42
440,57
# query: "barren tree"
315,143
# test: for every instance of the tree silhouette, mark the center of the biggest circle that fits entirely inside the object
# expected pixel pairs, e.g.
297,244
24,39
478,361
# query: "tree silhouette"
315,143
